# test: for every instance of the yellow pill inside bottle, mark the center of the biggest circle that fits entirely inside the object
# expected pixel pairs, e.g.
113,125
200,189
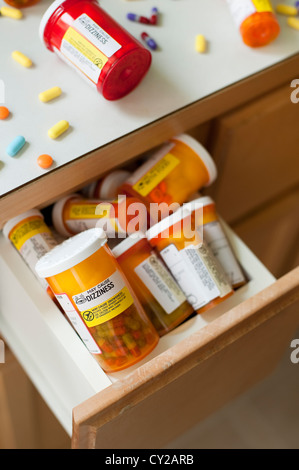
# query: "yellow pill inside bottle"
50,94
58,129
21,58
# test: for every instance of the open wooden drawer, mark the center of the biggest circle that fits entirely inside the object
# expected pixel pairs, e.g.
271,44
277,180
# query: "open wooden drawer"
195,369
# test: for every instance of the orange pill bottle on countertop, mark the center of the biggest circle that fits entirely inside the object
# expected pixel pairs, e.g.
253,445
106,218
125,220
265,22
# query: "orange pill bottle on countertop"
189,259
174,172
73,214
256,21
32,238
21,3
158,292
214,236
98,300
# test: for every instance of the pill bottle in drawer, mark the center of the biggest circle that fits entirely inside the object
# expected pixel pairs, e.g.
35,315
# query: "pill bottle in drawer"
189,259
32,238
158,292
172,174
106,187
93,43
73,214
98,300
214,236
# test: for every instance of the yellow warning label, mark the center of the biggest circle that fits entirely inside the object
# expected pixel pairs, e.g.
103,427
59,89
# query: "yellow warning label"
262,5
26,230
108,309
156,174
89,211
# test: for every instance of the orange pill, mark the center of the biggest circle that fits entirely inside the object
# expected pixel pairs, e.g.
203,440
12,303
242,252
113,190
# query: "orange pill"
4,112
45,161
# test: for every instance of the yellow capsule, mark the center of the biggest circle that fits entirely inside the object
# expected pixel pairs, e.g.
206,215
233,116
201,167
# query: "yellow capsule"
50,94
200,43
293,22
58,129
11,13
21,59
286,10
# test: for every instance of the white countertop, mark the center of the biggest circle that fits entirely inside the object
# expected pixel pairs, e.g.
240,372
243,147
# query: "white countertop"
178,76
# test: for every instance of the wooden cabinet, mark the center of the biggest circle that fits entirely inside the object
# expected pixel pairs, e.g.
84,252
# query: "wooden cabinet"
210,358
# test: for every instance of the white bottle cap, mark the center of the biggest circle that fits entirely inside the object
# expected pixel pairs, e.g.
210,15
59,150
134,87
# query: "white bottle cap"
10,224
46,16
203,201
111,183
169,221
71,252
57,212
127,243
202,153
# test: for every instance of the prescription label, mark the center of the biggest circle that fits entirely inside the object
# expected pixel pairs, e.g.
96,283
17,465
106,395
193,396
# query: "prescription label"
104,301
85,216
83,55
218,243
156,174
77,323
96,35
262,5
160,283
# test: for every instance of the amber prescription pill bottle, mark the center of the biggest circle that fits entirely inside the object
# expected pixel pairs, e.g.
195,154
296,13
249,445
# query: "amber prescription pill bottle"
158,292
107,187
214,236
189,259
21,3
93,43
256,21
32,238
96,297
73,214
175,171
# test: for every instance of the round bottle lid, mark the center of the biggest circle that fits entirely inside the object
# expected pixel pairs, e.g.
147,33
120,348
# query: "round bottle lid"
202,153
112,182
169,221
71,252
199,202
127,243
57,215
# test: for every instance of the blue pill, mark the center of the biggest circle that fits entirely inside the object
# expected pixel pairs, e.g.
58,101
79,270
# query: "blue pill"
15,146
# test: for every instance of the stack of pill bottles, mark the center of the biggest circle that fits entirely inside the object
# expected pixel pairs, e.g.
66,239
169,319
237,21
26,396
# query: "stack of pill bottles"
189,259
98,300
82,34
256,21
155,287
172,174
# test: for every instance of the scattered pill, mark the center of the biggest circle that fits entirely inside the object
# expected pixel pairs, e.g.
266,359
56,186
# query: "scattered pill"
137,18
49,94
44,161
21,59
154,16
286,10
15,146
200,44
293,22
149,41
10,12
58,129
4,112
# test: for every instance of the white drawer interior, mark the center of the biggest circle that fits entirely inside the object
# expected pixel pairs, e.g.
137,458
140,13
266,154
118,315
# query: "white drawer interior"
50,351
